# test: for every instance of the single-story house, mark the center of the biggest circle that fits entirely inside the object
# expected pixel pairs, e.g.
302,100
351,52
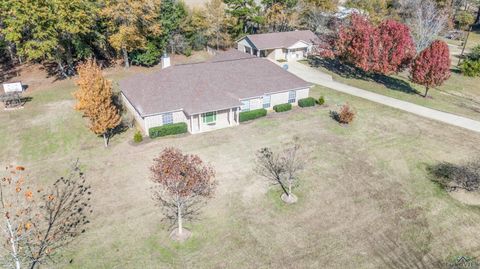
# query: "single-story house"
293,45
209,95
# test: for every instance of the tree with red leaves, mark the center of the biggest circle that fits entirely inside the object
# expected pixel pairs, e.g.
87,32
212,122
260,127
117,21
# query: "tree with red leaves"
394,48
385,49
183,182
355,41
432,66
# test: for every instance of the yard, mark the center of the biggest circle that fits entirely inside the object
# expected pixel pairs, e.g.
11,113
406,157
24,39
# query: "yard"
365,200
459,95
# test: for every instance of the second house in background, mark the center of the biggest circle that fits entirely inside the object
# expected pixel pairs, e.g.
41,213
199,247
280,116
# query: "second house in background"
288,46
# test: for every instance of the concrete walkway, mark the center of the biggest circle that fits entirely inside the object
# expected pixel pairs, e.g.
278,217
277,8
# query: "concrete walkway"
317,77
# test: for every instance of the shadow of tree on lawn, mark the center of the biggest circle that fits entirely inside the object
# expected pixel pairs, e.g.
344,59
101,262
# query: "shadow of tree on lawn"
351,72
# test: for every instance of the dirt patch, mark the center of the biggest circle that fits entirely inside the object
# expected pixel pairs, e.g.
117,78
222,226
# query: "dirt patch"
466,197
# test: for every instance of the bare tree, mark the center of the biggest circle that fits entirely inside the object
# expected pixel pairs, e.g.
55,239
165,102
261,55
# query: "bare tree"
37,223
282,168
183,182
425,19
16,206
65,206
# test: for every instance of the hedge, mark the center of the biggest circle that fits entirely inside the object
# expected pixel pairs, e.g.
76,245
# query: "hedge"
252,114
309,101
282,107
169,129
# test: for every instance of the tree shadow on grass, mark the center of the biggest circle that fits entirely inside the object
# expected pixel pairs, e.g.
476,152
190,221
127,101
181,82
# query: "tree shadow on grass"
351,72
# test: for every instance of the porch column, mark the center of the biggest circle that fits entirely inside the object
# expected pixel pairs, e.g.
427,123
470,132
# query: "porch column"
191,124
237,111
199,123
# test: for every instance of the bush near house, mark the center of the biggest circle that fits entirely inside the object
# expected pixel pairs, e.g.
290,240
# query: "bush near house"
306,102
321,100
137,137
252,114
282,107
170,129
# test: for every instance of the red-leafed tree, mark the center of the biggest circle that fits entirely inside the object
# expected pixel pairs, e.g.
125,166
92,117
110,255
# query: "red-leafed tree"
394,48
183,182
355,41
385,49
432,66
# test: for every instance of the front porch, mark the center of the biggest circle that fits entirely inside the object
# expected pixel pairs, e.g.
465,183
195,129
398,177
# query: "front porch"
214,120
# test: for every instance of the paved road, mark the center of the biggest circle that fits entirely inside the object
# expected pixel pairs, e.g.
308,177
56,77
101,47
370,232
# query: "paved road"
315,76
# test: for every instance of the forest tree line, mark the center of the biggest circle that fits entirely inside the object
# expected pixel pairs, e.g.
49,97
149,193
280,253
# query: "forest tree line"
66,32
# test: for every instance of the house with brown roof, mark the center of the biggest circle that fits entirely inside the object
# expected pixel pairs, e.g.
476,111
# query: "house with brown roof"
288,46
209,95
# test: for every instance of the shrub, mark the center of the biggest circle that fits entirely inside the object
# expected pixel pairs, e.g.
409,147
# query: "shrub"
321,100
470,68
474,54
305,102
452,176
345,116
150,56
137,137
170,129
282,107
252,114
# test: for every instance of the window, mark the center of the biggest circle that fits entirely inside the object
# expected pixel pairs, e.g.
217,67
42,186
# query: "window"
245,105
209,117
292,95
266,101
167,118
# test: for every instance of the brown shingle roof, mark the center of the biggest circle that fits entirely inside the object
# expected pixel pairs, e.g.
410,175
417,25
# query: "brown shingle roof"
217,84
281,39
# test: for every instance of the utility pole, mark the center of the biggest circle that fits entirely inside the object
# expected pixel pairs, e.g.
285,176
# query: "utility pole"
464,45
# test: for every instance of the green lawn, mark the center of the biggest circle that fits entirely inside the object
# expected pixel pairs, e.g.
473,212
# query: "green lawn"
459,95
365,198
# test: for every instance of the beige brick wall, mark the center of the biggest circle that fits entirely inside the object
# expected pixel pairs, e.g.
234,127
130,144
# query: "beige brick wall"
138,118
157,120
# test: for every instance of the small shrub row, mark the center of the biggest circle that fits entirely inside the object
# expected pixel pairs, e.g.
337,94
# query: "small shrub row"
252,114
282,107
306,102
170,129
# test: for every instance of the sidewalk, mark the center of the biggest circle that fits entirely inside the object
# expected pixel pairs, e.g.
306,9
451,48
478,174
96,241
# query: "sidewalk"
317,77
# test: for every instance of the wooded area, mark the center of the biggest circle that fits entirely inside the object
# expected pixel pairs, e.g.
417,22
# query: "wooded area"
139,31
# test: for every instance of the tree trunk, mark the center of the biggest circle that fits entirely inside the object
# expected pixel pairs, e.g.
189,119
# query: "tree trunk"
13,246
71,69
426,92
11,54
477,20
105,139
125,57
289,188
180,223
61,68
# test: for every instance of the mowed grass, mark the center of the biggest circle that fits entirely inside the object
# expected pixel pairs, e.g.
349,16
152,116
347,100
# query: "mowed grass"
365,200
459,95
